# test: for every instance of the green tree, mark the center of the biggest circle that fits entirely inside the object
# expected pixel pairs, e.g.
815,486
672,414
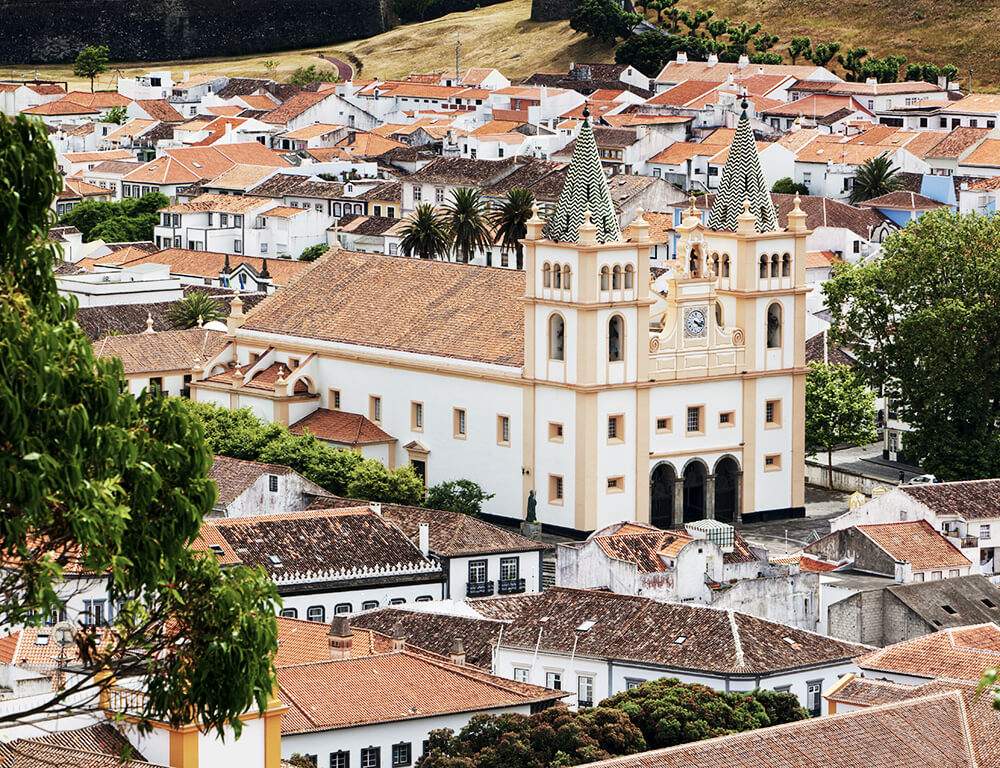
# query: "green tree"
116,115
840,410
372,481
127,220
885,70
93,478
463,496
468,223
312,74
874,177
717,28
822,53
425,234
787,186
764,42
90,62
694,21
740,38
780,706
313,252
799,46
195,309
510,222
770,57
329,467
922,320
603,20
236,433
851,61
650,51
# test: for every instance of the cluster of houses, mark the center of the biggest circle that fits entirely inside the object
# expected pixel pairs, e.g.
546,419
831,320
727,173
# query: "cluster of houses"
631,382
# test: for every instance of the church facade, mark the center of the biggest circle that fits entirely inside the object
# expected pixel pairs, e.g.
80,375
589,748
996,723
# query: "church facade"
610,392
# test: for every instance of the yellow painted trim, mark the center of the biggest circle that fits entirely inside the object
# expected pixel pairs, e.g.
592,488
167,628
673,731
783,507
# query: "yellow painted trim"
184,749
642,455
737,449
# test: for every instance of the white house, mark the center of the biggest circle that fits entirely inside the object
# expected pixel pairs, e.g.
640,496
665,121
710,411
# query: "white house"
248,488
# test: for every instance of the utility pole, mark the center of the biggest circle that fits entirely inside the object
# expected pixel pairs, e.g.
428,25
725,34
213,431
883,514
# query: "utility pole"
458,57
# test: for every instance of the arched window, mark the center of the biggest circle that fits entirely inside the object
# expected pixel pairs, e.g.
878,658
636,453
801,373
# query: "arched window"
556,276
616,330
546,275
605,279
715,264
616,278
565,276
774,326
556,337
719,319
786,265
763,266
629,277
316,613
725,265
774,265
694,263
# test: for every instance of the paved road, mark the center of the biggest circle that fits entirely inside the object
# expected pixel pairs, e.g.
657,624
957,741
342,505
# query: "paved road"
344,70
867,460
783,537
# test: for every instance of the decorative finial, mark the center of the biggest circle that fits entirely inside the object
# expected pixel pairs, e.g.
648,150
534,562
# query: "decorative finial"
201,321
149,323
586,113
281,376
693,199
798,202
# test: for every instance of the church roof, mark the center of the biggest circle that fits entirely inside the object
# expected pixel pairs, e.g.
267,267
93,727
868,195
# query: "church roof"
743,181
586,188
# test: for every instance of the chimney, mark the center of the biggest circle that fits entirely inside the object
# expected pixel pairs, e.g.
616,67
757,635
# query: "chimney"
871,81
398,637
760,69
340,638
682,57
713,59
744,62
424,538
457,653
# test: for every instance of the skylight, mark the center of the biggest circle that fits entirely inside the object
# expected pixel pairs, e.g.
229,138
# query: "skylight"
679,640
275,560
42,640
586,626
217,549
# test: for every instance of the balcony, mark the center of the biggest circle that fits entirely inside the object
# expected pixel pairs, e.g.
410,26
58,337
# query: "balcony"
511,587
479,589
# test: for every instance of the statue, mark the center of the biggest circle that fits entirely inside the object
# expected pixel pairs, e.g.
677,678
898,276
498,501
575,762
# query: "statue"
532,504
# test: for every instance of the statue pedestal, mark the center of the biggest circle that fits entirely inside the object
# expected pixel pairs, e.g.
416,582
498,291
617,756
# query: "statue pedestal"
531,530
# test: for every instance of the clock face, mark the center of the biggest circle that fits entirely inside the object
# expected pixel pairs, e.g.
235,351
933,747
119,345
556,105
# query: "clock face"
694,322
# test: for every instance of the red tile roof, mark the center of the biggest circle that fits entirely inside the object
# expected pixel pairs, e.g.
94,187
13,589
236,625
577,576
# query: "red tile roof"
916,542
342,427
957,653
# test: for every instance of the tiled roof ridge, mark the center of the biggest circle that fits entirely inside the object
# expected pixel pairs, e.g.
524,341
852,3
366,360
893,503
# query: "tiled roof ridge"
305,514
398,569
59,748
740,664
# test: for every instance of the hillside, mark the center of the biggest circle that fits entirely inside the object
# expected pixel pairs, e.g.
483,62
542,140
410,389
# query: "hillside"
955,31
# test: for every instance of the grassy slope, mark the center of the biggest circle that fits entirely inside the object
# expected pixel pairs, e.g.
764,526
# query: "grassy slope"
959,31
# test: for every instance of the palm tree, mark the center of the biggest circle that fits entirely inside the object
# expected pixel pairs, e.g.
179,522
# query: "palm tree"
194,309
467,223
510,222
425,234
874,177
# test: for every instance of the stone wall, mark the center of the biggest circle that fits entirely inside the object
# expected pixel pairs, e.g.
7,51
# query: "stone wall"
43,31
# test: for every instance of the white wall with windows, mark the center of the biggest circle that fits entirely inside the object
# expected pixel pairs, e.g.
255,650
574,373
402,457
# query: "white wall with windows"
323,606
489,575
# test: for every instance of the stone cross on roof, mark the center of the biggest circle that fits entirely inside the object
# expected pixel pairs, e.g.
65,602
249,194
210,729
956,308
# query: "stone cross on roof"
743,181
586,189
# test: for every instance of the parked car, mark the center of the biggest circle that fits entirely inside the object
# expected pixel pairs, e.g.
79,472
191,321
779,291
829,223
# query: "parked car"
922,480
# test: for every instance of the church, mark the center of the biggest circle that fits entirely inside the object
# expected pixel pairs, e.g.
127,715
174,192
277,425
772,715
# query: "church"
607,390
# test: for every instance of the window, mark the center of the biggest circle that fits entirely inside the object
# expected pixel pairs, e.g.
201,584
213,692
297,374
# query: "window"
370,757
418,194
616,484
631,682
316,613
814,696
585,691
378,212
555,432
520,675
503,429
333,400
94,612
772,413
223,219
555,489
341,759
918,577
546,275
727,419
694,413
375,408
616,278
459,423
237,246
424,599
616,329
763,266
952,573
342,609
783,689
156,385
772,462
565,276
605,278
438,194
774,326
935,575
272,483
984,531
616,428
553,680
416,416
368,605
478,570
664,424
510,569
237,221
629,277
397,601
556,337
401,754
263,247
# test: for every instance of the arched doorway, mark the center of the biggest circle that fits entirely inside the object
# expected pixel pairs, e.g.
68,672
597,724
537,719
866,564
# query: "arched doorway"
727,480
661,496
694,491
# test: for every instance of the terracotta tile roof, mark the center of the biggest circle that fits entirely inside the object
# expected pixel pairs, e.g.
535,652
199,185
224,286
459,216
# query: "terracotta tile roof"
304,642
221,203
496,126
74,187
425,307
98,99
957,142
209,264
685,92
340,544
451,534
681,151
97,746
282,184
47,89
187,165
637,629
869,692
917,733
821,259
915,542
61,107
985,103
987,154
476,75
160,109
35,648
258,101
264,379
342,427
364,144
818,105
986,185
163,350
673,72
294,107
957,653
241,177
311,131
625,119
436,632
834,354
969,499
234,476
96,157
134,127
903,201
392,687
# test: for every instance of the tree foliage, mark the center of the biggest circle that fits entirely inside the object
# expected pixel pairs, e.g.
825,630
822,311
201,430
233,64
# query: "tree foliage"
510,222
840,410
91,61
125,221
923,321
195,309
603,20
875,177
787,186
116,115
425,234
313,252
313,74
463,496
93,478
468,223
371,479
